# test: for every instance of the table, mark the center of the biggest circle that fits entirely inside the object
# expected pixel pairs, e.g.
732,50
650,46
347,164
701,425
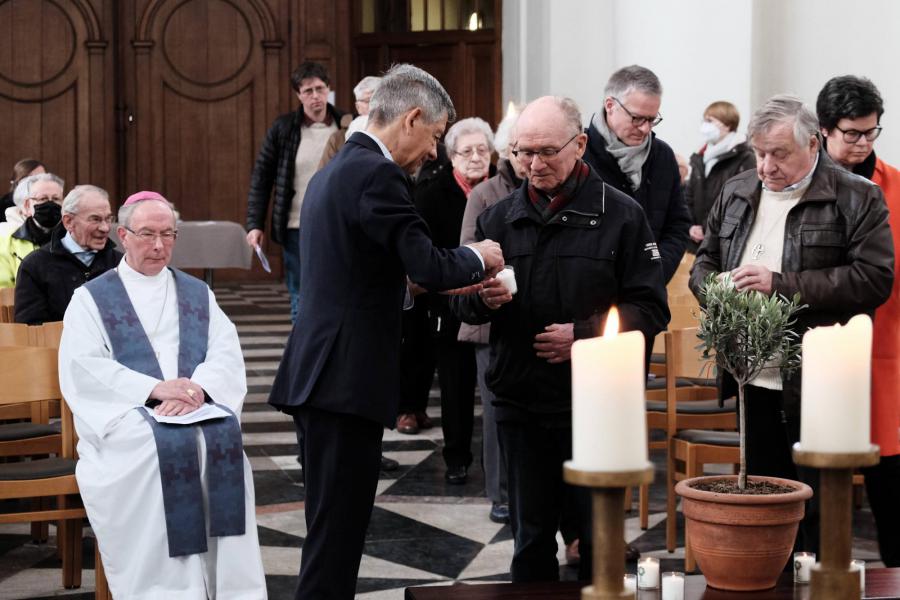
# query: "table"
208,245
880,584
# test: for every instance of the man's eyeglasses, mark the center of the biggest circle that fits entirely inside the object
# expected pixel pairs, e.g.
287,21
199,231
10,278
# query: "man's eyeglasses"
851,136
319,90
96,220
468,152
546,154
44,199
149,237
638,121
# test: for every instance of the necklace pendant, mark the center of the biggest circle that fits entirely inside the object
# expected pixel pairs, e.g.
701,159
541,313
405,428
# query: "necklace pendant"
756,251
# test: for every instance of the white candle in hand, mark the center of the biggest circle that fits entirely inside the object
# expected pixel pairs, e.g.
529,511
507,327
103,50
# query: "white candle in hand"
507,276
836,383
609,422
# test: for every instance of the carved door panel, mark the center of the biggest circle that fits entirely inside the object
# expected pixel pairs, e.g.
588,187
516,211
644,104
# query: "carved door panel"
203,81
56,88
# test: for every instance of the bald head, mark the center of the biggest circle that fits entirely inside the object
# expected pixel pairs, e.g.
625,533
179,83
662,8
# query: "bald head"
550,141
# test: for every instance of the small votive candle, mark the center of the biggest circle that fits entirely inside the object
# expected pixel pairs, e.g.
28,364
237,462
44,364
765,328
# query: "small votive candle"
648,573
803,562
672,585
508,278
860,565
630,582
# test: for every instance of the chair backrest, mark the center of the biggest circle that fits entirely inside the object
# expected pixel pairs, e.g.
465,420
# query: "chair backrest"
28,374
15,334
683,316
7,304
684,358
47,335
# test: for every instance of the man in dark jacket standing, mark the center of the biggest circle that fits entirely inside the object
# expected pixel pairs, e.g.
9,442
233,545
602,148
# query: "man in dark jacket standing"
287,160
627,155
340,375
578,247
799,224
77,252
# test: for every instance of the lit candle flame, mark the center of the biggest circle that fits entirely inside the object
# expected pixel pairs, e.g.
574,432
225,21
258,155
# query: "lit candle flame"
612,323
473,22
510,110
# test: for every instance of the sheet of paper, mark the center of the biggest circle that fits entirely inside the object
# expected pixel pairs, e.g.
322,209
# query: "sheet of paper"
262,259
206,412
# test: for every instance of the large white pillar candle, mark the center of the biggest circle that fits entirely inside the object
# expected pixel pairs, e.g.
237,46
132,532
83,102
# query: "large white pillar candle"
836,384
609,422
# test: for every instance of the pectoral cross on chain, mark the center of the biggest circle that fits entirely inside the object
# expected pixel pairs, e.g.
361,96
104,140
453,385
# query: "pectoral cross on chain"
756,251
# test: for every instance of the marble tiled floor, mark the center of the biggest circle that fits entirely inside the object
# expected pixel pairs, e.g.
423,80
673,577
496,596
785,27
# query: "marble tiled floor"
423,531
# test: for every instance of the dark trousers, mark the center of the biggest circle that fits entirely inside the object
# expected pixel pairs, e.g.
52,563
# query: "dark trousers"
771,433
534,454
417,360
883,491
342,459
456,373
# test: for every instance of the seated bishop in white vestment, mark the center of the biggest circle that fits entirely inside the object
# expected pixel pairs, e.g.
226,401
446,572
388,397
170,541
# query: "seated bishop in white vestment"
144,528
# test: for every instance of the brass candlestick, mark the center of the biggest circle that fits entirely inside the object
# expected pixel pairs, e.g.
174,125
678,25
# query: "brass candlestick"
831,578
608,488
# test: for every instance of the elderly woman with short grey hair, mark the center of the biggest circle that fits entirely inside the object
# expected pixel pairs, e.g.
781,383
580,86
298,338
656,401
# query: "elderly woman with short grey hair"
431,330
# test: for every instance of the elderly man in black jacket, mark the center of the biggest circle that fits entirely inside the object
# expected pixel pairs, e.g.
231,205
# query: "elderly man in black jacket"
627,155
799,224
578,247
79,250
287,160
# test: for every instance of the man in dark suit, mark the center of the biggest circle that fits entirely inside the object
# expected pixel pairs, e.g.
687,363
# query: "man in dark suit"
339,376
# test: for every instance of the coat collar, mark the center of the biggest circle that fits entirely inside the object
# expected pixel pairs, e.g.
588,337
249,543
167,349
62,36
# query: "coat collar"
821,187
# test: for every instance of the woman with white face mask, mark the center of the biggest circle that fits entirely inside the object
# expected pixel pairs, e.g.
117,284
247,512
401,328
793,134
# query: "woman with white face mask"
724,154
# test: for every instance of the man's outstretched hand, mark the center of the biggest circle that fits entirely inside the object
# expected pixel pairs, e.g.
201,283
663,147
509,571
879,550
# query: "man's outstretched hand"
492,255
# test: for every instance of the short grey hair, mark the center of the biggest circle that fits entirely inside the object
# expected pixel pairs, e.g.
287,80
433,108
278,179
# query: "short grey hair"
571,113
465,127
785,108
23,190
70,205
369,83
633,78
127,211
405,87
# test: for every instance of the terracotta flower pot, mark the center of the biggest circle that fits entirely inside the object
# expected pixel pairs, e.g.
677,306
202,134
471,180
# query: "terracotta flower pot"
742,542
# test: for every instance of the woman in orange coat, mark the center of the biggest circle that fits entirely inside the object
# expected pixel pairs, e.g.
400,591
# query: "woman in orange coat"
849,110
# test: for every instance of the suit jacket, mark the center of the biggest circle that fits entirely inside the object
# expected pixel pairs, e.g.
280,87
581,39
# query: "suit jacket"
361,237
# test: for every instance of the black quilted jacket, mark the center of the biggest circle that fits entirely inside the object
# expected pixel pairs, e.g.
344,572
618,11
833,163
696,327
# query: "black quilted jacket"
275,167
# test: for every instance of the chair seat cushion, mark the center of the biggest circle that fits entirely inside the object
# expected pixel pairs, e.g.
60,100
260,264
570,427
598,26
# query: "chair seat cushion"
715,438
10,432
659,383
695,407
658,358
37,469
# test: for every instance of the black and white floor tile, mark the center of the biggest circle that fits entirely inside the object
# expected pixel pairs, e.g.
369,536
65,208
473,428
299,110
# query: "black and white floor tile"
423,531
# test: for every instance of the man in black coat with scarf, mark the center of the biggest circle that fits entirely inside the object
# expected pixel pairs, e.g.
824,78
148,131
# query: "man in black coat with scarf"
627,155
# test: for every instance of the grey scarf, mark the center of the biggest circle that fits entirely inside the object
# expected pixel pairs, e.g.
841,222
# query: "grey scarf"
631,159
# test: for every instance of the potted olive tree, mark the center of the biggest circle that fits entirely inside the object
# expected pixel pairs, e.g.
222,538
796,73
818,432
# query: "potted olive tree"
742,529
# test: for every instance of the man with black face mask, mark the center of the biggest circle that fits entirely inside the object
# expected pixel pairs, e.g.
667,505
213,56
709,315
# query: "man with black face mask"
40,199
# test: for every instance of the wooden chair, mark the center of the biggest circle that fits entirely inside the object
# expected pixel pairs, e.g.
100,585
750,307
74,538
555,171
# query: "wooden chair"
30,375
7,304
691,402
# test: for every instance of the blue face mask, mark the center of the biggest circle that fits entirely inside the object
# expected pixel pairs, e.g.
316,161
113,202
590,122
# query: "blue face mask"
710,132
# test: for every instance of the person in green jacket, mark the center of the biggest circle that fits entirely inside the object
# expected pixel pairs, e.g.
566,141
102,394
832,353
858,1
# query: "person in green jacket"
40,199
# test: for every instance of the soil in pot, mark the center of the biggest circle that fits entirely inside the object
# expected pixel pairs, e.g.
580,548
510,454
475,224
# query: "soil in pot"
755,487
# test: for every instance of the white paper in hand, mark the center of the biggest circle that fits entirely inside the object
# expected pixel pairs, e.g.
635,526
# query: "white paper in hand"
262,259
206,412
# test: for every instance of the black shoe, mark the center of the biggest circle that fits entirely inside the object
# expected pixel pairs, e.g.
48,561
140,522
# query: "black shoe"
631,553
499,513
456,475
388,464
